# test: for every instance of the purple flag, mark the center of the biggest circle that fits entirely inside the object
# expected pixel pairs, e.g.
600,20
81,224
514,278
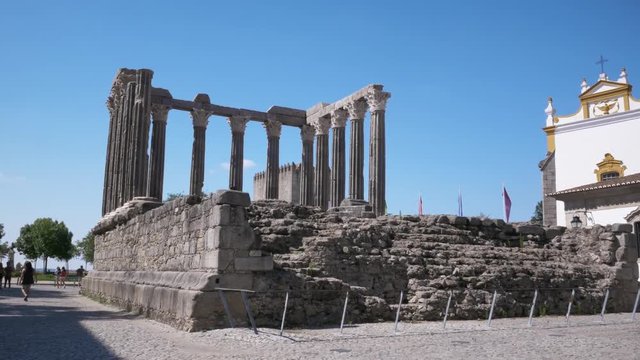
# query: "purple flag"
507,204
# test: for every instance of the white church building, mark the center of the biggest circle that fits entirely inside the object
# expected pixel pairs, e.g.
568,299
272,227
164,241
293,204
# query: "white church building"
592,167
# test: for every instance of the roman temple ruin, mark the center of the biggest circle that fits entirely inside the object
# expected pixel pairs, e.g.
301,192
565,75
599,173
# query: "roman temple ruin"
217,260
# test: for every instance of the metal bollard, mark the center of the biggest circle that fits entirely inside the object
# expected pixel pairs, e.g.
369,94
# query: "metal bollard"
247,308
635,306
284,312
604,305
573,293
395,328
493,303
344,311
225,304
533,307
446,312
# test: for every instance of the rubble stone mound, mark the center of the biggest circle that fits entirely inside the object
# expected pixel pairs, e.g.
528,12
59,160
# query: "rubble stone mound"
319,256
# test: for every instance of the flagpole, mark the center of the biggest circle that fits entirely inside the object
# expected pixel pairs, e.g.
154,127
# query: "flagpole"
504,205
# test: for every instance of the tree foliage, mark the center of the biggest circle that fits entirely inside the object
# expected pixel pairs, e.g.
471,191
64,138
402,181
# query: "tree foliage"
4,247
46,238
537,213
86,247
173,196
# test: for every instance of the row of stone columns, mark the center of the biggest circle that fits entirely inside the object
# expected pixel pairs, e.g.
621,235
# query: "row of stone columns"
329,184
130,173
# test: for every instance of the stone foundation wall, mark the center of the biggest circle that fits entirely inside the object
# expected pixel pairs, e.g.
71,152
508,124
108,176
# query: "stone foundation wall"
167,262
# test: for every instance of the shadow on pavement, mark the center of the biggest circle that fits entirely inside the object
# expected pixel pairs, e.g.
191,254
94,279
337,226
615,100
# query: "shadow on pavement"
41,329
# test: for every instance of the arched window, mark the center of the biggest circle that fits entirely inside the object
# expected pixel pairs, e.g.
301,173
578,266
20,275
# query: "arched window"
609,168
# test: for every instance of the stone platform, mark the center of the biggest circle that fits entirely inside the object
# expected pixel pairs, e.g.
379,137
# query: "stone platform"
168,262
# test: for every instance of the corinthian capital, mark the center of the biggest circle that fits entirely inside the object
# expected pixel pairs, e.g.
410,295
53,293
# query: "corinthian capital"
377,99
160,112
238,123
200,117
273,128
321,125
356,109
339,118
307,132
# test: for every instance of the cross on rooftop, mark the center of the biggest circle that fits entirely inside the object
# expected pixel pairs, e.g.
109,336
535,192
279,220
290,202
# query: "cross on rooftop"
601,63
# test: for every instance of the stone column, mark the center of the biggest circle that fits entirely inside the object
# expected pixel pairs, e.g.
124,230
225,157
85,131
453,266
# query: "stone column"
357,110
236,163
159,114
108,167
338,122
273,158
322,162
377,100
306,171
140,133
200,119
123,181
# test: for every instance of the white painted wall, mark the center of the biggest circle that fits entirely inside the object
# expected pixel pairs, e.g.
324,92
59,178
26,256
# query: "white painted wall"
581,145
601,217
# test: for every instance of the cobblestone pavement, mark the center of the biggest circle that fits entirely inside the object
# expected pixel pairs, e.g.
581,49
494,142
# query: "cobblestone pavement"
60,324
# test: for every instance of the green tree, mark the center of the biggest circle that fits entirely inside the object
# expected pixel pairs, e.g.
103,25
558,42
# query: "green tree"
173,196
4,247
537,213
45,238
86,247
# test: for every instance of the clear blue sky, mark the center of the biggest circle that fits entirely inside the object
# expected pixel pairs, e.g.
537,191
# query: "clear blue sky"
469,83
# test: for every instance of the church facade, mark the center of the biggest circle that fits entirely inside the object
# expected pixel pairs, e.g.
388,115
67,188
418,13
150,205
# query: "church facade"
592,166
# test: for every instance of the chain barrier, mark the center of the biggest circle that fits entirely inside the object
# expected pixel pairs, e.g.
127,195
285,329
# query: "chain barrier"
496,293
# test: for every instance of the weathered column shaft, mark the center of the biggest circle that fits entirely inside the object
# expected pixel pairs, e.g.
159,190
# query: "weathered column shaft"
357,110
197,161
377,163
322,170
158,137
307,134
108,166
338,122
273,169
140,135
124,155
236,168
236,163
273,159
377,103
116,170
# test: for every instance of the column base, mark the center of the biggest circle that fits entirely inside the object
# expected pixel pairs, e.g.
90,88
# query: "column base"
354,208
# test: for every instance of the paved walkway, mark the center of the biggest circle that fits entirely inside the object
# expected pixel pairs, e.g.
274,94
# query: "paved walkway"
60,324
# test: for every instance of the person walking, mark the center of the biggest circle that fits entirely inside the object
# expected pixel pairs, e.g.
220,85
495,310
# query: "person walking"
8,270
63,278
79,275
58,271
26,279
1,274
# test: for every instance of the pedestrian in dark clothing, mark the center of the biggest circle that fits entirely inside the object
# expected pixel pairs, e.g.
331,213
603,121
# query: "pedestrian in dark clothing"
26,279
1,274
8,270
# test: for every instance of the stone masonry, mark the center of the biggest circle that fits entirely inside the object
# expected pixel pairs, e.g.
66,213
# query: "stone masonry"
166,262
319,256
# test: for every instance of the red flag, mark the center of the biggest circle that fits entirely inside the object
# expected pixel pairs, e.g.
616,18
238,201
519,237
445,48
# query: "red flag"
507,203
420,205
